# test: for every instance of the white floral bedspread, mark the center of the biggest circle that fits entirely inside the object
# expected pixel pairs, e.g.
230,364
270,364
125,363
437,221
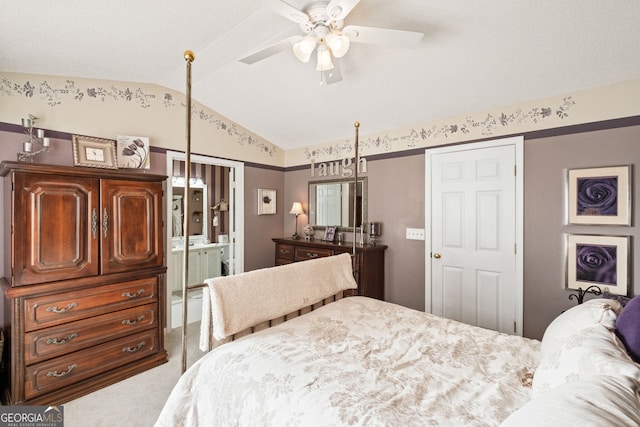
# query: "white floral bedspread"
357,361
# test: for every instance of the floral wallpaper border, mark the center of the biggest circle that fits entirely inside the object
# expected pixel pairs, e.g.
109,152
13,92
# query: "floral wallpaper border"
55,96
487,127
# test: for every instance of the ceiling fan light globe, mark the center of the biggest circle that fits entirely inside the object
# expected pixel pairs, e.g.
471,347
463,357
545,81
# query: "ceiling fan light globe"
338,43
304,48
324,59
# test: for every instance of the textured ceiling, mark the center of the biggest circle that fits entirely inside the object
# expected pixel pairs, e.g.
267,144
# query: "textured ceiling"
475,55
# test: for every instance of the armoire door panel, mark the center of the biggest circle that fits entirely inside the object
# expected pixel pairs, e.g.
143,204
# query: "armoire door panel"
131,225
56,236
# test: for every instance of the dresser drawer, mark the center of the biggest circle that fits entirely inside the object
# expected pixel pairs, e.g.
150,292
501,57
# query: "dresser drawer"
65,370
284,252
52,310
51,342
303,254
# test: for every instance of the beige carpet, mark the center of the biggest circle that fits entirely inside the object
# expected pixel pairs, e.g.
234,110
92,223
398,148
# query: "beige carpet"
136,401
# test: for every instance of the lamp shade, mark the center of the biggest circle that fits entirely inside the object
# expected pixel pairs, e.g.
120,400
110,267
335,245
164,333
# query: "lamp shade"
296,209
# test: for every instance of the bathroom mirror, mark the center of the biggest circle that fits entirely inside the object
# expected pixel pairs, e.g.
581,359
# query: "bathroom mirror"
331,204
197,207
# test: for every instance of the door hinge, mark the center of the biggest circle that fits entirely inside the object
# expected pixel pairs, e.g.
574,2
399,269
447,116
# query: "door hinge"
515,170
515,328
515,248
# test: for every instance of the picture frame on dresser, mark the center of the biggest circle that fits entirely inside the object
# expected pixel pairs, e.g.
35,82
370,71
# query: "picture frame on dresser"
329,234
599,196
94,152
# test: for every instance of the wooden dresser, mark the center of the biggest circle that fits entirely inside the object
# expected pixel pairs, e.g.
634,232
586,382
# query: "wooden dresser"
369,264
83,291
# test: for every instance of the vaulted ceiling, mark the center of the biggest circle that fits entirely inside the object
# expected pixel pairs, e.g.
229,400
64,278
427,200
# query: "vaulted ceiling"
475,55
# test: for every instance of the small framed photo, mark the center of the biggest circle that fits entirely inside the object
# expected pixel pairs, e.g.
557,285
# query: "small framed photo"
602,261
599,196
329,234
94,152
266,201
133,152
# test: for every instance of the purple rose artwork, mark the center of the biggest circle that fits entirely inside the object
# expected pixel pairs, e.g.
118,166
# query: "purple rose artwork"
598,196
596,263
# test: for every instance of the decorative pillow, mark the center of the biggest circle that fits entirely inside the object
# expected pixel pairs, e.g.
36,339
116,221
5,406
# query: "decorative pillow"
622,299
592,351
597,311
593,401
628,328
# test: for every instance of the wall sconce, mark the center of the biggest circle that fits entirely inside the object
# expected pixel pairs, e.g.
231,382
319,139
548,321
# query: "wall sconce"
36,144
296,210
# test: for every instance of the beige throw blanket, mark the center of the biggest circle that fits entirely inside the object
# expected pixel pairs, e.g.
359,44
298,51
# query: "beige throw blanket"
235,303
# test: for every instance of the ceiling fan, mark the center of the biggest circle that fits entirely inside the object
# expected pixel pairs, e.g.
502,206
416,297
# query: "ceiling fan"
322,22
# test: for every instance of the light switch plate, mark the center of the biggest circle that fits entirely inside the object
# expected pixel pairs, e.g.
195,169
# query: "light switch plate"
415,233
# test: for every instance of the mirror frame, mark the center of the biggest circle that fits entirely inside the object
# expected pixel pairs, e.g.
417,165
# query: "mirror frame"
365,202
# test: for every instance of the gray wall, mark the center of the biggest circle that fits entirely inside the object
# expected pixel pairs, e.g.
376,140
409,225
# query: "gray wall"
546,162
397,194
396,199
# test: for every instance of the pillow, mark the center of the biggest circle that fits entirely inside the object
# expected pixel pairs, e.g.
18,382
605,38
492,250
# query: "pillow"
597,311
595,400
628,328
592,351
622,299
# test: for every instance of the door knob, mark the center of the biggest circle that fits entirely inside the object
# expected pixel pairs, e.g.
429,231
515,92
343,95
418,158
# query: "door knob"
437,255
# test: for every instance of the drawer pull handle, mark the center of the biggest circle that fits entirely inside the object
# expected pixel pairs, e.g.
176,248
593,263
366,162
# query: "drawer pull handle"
63,340
133,322
63,373
130,295
312,254
284,251
133,349
62,310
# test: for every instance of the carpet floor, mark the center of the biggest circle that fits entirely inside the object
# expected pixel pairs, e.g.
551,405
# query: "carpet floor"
136,401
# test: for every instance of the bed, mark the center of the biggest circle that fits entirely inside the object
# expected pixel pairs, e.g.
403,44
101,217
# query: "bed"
361,361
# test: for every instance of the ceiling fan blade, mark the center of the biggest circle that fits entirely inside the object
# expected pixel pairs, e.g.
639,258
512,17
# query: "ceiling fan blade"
291,13
270,50
339,9
333,75
382,36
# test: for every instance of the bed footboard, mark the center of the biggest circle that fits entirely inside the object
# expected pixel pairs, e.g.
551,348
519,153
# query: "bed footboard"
262,298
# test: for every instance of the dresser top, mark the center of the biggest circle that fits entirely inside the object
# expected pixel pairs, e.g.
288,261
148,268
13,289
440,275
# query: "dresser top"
317,243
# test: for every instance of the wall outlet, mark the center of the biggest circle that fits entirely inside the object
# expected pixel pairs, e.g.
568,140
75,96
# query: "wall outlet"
415,233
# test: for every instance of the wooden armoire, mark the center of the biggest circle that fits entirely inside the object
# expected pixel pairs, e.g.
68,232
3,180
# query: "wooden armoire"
84,276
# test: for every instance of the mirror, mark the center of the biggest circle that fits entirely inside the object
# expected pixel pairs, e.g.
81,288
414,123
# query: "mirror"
331,204
197,207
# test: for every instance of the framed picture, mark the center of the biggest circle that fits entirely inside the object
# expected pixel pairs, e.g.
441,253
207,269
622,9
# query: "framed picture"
602,261
599,196
94,152
133,152
329,234
266,201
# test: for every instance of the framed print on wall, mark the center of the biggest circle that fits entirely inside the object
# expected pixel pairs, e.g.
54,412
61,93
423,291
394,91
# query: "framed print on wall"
599,196
94,152
266,201
602,261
